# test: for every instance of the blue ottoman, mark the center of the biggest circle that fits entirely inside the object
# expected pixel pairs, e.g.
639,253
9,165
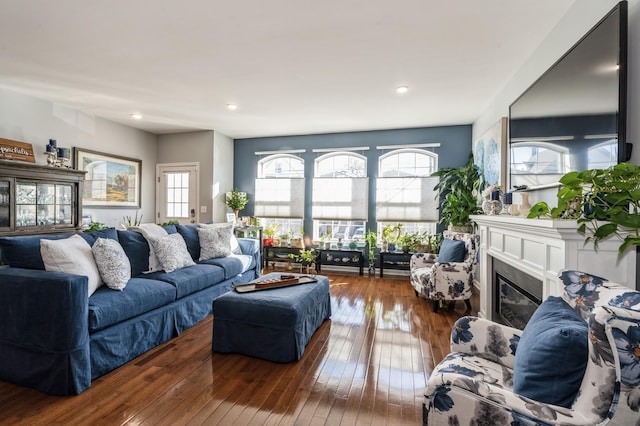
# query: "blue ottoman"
274,324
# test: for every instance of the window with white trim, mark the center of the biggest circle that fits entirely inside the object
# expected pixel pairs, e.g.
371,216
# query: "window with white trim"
404,190
538,163
340,202
279,192
603,155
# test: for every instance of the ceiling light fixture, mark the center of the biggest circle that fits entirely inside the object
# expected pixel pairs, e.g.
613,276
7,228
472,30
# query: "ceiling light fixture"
136,116
232,107
402,89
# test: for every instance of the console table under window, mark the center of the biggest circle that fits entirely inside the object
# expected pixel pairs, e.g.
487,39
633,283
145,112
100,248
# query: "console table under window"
394,260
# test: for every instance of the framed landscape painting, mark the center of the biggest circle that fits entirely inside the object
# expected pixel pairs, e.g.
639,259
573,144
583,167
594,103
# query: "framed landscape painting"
490,154
111,180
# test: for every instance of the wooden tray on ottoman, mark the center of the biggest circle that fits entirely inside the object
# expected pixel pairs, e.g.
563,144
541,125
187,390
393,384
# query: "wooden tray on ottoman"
281,281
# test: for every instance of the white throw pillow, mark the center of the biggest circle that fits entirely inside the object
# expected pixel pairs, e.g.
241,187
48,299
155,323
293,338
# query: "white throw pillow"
215,241
71,255
113,264
151,231
172,252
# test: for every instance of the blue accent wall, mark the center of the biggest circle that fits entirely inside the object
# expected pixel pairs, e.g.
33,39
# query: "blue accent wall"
454,150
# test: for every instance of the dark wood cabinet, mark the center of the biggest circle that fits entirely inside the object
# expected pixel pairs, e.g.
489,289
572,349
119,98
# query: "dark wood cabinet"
39,199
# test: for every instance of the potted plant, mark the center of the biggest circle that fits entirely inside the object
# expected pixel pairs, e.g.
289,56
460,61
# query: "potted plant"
458,188
270,232
605,202
409,240
284,239
372,239
306,258
390,234
236,201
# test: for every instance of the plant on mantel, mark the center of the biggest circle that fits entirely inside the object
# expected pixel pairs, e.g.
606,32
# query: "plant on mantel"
604,202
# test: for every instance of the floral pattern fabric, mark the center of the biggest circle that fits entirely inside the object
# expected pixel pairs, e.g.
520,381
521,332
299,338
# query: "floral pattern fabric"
447,280
473,385
215,241
113,263
172,252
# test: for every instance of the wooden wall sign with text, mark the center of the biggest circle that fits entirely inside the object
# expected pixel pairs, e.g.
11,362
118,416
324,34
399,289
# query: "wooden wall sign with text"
14,150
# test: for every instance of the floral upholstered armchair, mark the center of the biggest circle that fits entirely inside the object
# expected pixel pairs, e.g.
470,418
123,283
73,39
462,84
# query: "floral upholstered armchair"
490,377
448,275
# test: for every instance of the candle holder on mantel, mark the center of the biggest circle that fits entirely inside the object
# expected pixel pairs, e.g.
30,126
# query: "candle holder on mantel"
51,153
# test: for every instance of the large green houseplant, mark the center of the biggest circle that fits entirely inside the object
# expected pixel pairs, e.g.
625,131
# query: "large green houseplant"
458,200
605,202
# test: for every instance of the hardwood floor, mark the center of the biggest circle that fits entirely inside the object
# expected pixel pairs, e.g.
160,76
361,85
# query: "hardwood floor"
367,365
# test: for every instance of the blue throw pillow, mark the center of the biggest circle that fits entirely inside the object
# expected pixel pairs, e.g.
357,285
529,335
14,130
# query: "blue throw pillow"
24,252
137,250
552,354
452,251
92,237
190,235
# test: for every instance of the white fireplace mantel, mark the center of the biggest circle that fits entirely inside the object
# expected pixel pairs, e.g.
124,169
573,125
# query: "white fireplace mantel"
541,248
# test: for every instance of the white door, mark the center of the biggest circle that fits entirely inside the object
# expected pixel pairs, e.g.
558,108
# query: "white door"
177,192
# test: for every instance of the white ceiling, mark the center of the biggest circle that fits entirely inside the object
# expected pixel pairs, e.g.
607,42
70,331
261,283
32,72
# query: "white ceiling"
291,66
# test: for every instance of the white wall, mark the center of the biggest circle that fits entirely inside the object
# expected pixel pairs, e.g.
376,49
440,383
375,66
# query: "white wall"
222,174
579,19
31,120
192,147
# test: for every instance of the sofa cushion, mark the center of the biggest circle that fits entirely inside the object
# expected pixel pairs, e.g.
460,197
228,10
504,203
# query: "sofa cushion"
137,249
452,251
113,263
215,241
551,357
233,265
24,252
71,255
190,235
172,252
92,237
190,279
108,307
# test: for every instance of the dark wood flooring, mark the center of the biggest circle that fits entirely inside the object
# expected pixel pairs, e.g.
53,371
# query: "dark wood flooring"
368,365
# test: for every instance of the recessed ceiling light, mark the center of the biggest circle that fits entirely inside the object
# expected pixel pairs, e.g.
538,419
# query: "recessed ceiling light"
402,89
136,116
232,107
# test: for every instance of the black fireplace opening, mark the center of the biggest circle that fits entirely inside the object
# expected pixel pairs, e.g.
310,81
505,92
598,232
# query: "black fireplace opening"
517,295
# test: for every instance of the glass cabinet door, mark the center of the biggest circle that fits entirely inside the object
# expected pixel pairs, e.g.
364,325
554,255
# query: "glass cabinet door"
43,204
5,203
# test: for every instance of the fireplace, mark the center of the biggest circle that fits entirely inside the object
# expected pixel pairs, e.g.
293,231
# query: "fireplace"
540,249
517,295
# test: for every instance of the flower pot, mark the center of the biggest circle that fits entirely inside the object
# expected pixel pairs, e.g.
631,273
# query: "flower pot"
267,242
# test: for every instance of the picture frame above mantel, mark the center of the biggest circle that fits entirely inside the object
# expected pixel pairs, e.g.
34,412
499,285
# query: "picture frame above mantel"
112,181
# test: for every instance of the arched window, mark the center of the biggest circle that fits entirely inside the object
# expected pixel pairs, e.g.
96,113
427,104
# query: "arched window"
408,162
340,196
279,193
404,190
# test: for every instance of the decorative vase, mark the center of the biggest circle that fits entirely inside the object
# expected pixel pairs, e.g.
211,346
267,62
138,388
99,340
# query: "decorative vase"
524,204
372,269
353,245
491,207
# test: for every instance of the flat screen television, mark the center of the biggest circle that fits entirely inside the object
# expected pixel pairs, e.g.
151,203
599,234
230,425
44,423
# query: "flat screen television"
574,116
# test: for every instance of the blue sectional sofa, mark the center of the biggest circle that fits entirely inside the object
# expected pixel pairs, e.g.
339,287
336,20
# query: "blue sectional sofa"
56,339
